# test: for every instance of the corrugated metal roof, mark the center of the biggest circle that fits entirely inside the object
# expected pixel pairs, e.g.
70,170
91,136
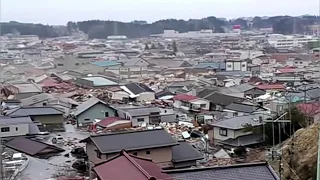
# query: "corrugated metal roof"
100,81
87,104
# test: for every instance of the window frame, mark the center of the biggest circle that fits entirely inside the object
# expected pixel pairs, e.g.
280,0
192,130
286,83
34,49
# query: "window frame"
221,130
139,120
5,129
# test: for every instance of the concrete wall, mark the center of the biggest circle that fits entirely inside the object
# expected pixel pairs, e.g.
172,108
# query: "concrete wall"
95,112
15,130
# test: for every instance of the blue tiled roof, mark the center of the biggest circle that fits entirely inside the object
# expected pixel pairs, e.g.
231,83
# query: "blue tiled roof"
214,65
105,63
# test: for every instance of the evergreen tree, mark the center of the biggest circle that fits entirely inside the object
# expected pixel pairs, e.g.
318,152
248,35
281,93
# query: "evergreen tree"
174,46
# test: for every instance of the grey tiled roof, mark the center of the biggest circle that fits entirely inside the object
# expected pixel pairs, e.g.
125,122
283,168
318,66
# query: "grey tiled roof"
115,142
240,107
86,105
259,171
238,122
34,111
185,152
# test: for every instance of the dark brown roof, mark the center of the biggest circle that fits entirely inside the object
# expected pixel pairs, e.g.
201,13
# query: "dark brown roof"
125,167
31,147
129,141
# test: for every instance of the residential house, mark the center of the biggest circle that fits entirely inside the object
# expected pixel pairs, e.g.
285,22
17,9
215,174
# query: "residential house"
298,62
151,144
140,115
101,66
95,82
50,117
116,93
133,68
24,90
233,132
62,103
236,65
218,100
156,145
189,102
33,148
184,155
178,85
214,66
269,88
135,167
230,172
247,90
139,92
241,109
92,109
17,126
113,123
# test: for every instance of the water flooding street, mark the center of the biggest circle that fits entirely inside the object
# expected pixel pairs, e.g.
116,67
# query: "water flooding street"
42,169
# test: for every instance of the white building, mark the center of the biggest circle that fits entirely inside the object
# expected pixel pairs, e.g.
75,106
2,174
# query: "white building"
17,126
290,41
236,65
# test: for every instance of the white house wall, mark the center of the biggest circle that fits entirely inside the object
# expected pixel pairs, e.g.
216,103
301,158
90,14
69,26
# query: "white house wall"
15,130
135,122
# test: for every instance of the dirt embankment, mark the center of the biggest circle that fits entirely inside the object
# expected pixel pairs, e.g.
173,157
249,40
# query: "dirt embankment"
299,154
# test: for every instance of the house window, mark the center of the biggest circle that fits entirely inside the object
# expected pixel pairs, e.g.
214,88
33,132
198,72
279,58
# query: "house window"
140,119
229,66
243,65
17,129
135,153
148,152
5,129
296,62
87,119
223,132
235,114
300,62
106,114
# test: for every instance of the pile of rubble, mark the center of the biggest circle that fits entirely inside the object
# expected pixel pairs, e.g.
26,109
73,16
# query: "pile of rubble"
299,154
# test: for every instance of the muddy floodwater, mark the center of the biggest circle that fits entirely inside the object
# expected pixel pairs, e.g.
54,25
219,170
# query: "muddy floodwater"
42,169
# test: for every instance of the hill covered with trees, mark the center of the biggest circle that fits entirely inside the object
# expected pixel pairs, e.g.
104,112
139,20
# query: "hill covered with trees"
135,29
103,29
43,31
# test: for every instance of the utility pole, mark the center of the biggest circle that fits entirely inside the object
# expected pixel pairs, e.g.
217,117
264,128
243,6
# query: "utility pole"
1,165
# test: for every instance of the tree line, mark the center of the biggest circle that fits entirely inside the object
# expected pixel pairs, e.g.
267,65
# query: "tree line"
136,29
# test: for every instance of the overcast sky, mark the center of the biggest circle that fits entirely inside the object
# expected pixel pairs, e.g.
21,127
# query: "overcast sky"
59,12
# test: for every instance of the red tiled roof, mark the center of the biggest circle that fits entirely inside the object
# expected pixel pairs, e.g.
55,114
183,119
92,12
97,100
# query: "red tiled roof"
125,167
105,122
287,70
184,97
271,86
309,108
